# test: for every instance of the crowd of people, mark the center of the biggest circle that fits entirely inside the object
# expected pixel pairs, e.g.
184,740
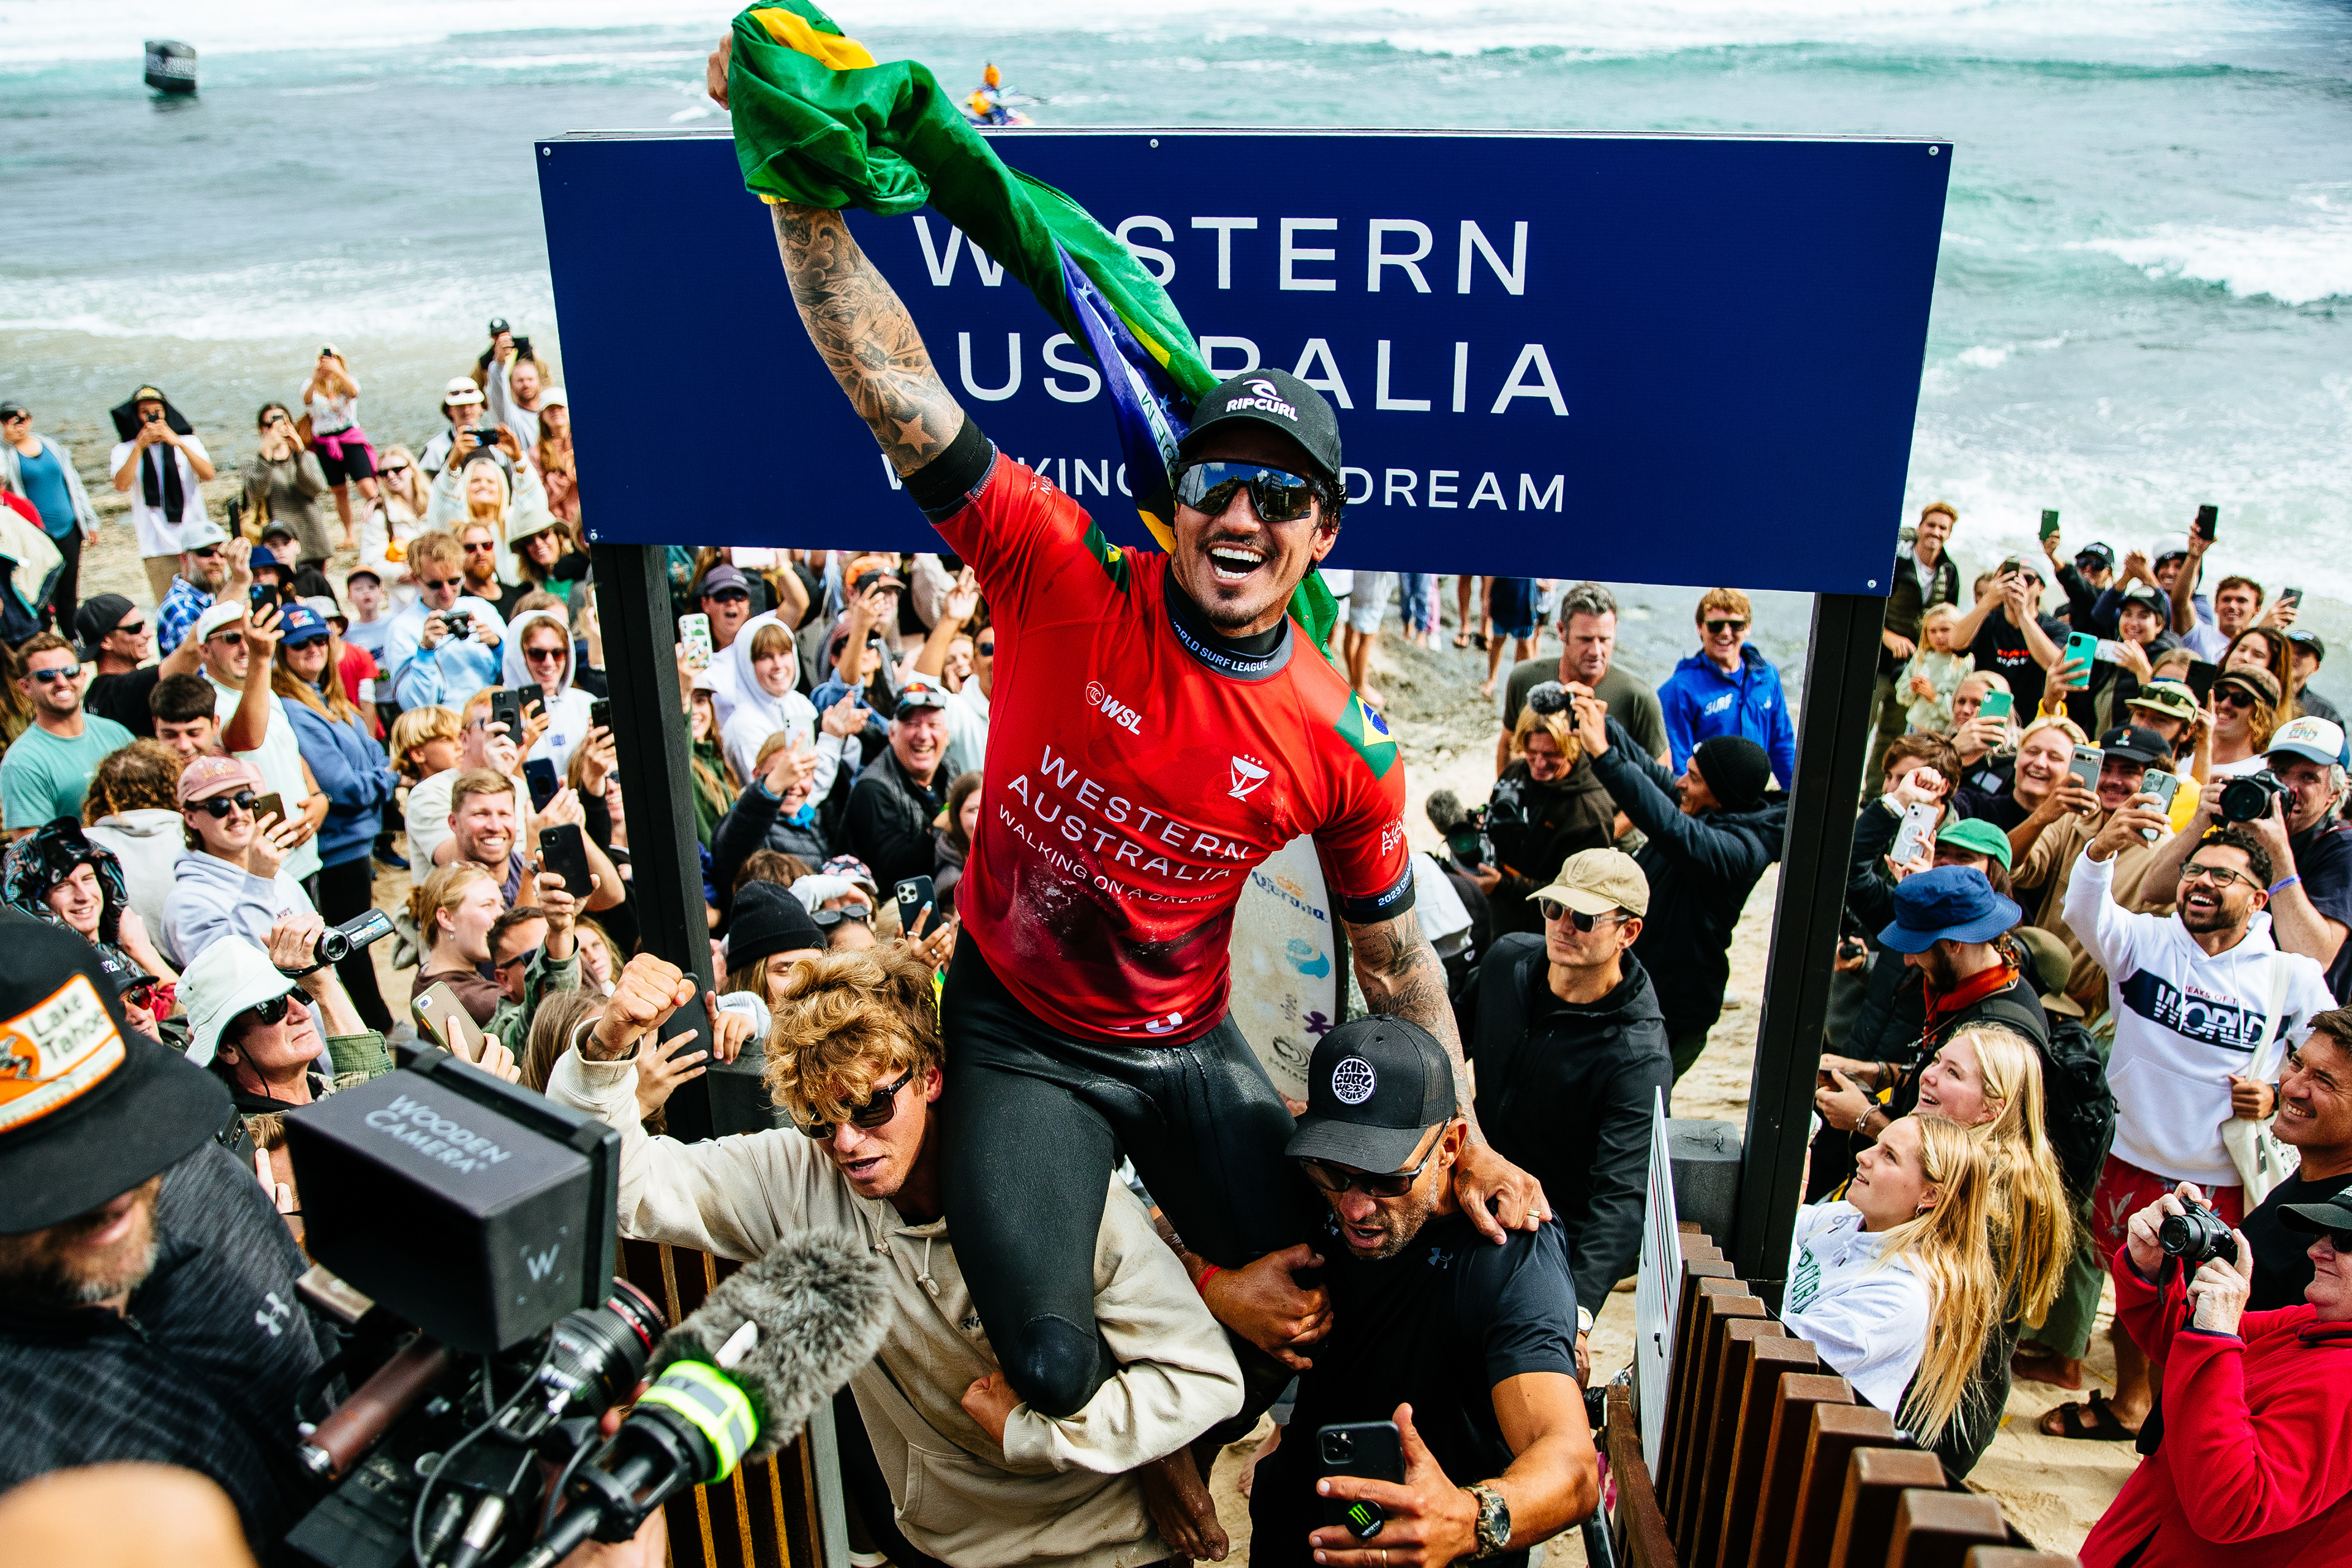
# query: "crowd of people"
2081,987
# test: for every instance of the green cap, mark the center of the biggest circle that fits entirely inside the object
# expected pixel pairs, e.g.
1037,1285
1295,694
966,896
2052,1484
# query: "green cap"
1979,837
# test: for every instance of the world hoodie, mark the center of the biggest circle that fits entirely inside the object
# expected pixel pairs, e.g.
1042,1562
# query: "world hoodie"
2184,1023
567,712
757,715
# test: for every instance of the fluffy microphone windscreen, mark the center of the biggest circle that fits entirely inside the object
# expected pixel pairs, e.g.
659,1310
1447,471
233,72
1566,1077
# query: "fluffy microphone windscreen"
822,1306
1444,809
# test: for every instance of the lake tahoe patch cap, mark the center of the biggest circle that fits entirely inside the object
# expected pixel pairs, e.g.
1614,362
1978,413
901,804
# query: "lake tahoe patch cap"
1600,882
1375,1086
1950,903
88,1108
1279,401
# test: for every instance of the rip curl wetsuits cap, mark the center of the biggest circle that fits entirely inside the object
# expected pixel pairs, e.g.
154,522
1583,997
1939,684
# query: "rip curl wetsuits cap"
1375,1086
1278,400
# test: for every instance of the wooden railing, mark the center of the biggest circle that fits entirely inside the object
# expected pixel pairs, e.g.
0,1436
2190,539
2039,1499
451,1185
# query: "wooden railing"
1770,1461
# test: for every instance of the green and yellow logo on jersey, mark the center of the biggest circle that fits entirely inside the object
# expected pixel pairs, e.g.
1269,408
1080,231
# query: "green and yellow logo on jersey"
1363,729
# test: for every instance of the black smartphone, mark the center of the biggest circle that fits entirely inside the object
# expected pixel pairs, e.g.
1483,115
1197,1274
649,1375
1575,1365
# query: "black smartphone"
522,347
1368,1450
486,436
915,894
2207,516
2293,596
506,707
600,714
540,774
2201,675
563,855
263,594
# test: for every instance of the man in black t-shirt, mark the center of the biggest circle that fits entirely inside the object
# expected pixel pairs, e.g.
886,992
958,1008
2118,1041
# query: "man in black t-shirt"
113,634
2315,1115
2008,632
1468,1346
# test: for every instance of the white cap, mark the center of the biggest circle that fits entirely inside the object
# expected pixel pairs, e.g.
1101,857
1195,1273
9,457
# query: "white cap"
461,389
2318,739
554,397
220,614
230,975
202,534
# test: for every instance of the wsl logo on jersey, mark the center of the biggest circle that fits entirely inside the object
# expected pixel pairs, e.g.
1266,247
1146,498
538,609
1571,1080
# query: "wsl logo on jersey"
1117,712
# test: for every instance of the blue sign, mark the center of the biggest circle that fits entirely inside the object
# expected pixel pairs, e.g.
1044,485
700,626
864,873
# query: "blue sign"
1659,359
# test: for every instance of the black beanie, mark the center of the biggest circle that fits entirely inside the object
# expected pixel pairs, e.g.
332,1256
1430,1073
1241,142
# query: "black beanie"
768,920
1736,769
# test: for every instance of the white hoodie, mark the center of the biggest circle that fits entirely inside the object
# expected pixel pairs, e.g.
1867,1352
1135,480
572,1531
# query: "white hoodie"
567,715
1868,1321
757,715
149,842
2184,1023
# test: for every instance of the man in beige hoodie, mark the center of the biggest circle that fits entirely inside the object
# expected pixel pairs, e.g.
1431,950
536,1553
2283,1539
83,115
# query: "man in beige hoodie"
977,1478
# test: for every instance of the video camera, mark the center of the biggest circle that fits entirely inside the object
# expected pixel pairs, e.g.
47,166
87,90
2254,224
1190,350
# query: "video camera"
465,1233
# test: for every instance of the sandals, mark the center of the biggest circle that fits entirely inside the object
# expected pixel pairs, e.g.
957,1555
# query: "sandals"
2100,1427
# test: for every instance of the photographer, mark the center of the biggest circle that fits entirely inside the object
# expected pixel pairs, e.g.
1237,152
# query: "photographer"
254,1025
1547,805
285,484
2196,995
146,1281
2310,850
2256,1458
446,644
160,463
853,1057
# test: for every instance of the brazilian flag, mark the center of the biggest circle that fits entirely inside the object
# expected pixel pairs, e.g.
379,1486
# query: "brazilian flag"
818,122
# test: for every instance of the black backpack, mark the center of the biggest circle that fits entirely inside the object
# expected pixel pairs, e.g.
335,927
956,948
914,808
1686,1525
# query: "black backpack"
2081,1113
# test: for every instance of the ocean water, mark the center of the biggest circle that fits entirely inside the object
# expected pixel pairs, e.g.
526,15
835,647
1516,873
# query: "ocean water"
2141,303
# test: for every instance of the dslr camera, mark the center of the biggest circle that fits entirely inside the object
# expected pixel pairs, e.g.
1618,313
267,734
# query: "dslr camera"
2195,1237
2249,795
467,1225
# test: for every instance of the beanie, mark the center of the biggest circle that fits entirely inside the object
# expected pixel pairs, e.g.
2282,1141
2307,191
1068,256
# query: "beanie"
1736,769
768,920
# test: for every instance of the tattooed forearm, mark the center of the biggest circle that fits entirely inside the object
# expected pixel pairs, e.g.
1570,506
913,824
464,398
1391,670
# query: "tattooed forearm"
866,338
1401,974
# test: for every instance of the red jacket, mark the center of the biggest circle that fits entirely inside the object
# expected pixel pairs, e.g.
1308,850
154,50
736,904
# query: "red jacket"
2257,1451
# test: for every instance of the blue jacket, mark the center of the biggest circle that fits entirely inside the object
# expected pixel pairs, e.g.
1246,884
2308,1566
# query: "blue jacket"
1701,702
350,767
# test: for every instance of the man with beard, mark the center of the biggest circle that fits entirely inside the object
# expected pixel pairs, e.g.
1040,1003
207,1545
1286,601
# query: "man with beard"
212,566
1469,1348
2196,995
147,1306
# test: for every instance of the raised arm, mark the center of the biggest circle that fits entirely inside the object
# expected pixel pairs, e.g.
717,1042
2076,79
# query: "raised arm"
865,336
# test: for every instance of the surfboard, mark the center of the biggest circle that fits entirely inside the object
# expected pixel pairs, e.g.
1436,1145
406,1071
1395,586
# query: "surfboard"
1288,954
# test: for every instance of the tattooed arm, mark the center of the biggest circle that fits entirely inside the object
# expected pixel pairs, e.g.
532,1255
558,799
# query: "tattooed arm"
1401,974
866,338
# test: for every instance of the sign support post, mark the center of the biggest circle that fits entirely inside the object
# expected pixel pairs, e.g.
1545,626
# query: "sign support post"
633,604
1832,743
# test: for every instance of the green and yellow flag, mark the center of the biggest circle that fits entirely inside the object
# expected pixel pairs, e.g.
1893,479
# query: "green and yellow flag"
820,123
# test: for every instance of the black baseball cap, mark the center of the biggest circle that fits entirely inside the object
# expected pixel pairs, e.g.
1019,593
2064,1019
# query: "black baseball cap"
1375,1086
2102,556
497,325
92,1107
2142,746
97,618
2309,642
1278,400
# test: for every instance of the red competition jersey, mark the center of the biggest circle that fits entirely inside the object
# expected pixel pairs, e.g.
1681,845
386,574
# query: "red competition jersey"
1136,773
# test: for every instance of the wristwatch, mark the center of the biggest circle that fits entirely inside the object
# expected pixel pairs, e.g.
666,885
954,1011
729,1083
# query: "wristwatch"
1494,1518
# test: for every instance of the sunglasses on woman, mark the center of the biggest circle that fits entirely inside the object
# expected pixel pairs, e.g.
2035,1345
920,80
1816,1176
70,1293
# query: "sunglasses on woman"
1553,910
391,468
220,805
1279,497
875,1112
1336,1179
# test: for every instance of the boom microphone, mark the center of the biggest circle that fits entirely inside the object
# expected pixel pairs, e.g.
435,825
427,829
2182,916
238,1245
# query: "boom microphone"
734,1381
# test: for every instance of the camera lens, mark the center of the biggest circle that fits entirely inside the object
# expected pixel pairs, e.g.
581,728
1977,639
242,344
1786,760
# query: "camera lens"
333,946
1338,1447
599,1353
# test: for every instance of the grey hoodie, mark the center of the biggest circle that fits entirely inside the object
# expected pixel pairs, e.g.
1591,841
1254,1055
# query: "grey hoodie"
149,842
211,898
